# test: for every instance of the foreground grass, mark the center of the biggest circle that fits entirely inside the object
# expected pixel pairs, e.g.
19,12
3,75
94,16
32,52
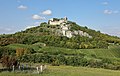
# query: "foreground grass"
67,71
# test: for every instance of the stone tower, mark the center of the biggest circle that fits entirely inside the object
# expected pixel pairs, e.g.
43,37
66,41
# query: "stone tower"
65,18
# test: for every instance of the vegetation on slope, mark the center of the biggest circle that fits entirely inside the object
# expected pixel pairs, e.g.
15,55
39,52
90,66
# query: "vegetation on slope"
97,58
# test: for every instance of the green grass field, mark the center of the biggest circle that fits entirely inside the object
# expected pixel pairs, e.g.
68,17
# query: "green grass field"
67,71
112,52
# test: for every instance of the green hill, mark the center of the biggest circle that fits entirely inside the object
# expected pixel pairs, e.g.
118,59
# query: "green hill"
65,43
75,37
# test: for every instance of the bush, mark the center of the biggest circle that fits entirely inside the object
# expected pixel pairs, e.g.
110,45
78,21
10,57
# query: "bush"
106,60
6,51
56,63
95,63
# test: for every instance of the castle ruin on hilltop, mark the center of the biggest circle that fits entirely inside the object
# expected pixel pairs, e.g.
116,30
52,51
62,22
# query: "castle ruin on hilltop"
65,28
56,21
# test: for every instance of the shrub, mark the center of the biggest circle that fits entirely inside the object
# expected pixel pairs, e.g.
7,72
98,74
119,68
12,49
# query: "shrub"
8,61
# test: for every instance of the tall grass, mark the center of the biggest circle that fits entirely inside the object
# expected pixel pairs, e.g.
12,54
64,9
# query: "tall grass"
68,71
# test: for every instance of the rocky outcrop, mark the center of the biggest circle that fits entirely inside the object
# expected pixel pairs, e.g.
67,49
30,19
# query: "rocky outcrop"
66,31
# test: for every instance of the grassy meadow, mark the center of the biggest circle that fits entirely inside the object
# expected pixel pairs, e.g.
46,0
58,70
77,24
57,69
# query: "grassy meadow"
66,71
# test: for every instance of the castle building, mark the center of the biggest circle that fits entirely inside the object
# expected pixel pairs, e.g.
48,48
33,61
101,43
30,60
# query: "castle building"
55,21
65,28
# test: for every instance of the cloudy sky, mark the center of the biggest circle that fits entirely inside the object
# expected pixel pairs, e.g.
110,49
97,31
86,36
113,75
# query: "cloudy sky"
103,15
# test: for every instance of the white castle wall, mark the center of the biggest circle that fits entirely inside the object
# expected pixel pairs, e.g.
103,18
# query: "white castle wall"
52,22
69,34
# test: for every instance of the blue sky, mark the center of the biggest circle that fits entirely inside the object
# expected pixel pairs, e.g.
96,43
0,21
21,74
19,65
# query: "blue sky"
103,15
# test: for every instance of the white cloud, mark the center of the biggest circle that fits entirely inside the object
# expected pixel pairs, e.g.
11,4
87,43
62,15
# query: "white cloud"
37,17
105,3
47,12
29,27
108,11
22,7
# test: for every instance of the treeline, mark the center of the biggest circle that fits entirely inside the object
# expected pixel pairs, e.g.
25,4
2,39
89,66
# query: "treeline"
60,59
15,52
77,42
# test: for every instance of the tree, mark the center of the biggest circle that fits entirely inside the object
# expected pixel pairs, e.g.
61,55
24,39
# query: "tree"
23,51
8,61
